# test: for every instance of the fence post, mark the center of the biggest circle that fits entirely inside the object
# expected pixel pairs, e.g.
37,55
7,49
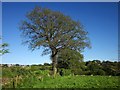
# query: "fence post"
13,83
16,79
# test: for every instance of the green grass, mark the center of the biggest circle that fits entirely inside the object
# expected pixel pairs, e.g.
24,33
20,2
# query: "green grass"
41,79
78,82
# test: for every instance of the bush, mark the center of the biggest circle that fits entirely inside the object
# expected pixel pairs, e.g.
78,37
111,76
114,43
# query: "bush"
65,72
28,81
6,72
100,72
45,67
42,72
87,72
77,71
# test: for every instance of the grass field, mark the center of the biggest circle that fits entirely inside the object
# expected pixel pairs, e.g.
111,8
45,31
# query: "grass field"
75,82
28,78
79,82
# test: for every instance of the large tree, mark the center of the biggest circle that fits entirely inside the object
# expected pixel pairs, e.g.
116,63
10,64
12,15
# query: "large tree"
54,31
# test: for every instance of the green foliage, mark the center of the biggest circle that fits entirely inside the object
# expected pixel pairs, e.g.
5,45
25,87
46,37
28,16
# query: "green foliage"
100,72
14,71
3,48
54,31
42,72
6,72
45,67
69,59
65,72
111,68
80,82
42,79
47,64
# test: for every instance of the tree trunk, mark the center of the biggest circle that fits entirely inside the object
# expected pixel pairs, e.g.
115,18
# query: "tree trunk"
54,64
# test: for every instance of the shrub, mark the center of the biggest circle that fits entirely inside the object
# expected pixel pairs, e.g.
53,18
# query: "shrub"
65,72
42,72
100,72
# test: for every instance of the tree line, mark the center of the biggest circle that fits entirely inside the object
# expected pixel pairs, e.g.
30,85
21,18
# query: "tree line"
94,67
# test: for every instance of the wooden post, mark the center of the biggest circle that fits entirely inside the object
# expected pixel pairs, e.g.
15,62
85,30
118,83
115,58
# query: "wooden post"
16,79
13,83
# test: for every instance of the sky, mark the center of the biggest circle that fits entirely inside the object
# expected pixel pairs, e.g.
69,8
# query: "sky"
100,20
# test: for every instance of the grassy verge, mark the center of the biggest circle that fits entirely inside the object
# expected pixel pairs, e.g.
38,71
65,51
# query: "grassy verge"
79,82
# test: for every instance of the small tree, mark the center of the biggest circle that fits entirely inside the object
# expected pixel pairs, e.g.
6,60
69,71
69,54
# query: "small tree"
54,31
3,48
69,59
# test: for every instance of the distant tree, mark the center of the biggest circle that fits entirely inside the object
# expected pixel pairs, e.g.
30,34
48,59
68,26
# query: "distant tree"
54,31
94,67
5,65
17,65
111,68
46,64
39,64
97,61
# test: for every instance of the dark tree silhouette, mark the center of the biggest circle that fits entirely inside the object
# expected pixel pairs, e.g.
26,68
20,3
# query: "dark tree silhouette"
54,31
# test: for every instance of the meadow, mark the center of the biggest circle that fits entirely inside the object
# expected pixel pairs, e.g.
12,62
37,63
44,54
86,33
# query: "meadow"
79,82
33,77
